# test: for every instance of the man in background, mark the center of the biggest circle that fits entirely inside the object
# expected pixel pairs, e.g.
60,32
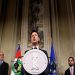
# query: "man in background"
4,67
71,69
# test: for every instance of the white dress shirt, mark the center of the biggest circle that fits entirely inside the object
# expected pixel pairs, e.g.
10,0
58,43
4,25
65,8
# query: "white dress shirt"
71,70
35,47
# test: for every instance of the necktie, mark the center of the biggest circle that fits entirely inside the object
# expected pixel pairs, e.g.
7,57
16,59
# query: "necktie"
71,71
35,47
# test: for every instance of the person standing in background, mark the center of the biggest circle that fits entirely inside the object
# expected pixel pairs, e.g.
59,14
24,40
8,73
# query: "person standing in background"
71,69
4,67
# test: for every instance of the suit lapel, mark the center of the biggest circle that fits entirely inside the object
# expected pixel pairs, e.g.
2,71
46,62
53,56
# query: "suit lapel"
74,70
69,71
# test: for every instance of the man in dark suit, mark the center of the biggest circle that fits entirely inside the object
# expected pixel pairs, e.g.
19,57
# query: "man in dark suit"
3,65
71,69
35,45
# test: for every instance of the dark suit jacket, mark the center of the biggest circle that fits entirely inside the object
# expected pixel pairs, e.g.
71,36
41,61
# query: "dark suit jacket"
4,68
46,72
67,72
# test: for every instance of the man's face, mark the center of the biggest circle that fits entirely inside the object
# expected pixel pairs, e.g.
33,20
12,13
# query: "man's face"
1,56
70,62
34,38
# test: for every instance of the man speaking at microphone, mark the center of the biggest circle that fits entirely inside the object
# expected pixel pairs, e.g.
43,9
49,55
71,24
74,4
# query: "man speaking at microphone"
35,40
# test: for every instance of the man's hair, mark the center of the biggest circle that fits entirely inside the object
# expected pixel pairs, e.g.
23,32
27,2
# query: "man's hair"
36,32
71,57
